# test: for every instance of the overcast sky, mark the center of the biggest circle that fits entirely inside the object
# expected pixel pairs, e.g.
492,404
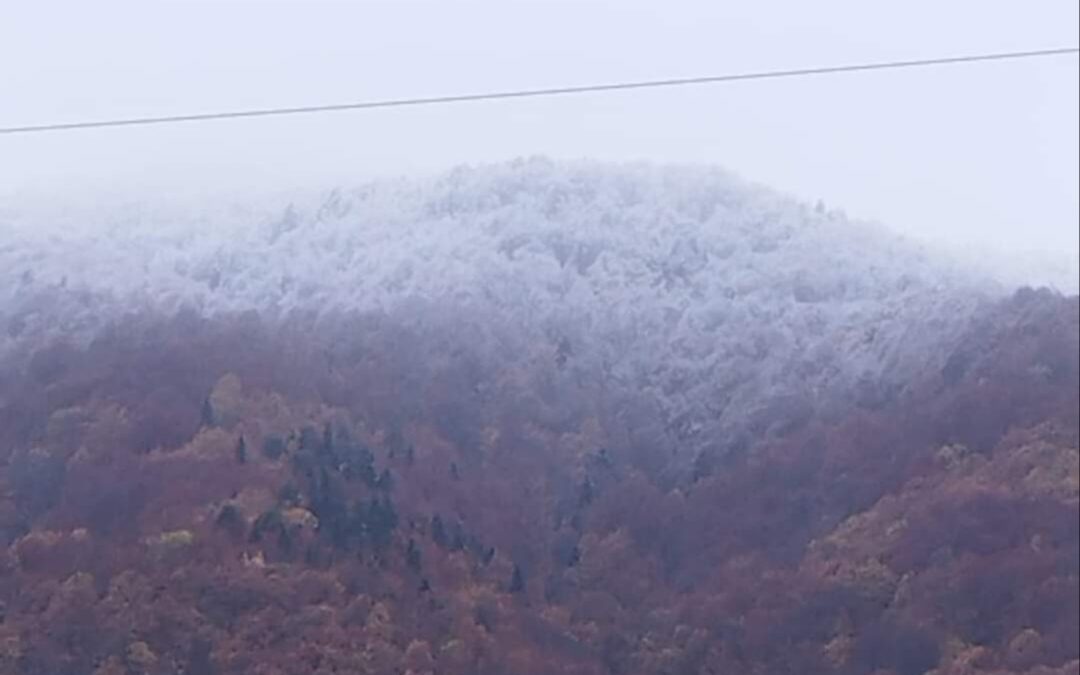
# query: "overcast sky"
976,155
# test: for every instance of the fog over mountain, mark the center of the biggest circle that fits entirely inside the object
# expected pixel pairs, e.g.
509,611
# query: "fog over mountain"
531,418
718,298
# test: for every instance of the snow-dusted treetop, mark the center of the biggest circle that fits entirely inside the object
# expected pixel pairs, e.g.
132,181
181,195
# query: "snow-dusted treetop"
720,297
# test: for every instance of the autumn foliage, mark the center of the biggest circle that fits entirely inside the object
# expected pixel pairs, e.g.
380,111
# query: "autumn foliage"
239,495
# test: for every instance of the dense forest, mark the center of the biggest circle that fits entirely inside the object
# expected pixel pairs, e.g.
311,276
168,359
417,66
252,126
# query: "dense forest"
238,494
530,418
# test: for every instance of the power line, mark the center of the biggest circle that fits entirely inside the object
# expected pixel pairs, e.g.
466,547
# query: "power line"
535,93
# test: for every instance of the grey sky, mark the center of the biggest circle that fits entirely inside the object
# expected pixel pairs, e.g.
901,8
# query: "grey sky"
982,155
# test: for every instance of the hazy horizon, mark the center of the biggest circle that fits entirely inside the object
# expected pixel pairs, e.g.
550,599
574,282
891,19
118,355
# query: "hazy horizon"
990,164
775,376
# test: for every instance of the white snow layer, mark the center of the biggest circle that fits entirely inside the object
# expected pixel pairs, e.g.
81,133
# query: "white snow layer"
720,298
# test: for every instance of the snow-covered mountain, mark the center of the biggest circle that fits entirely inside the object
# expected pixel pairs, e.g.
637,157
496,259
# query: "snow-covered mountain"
724,301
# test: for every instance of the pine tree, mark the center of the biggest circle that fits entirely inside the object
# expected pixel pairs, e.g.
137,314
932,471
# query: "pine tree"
207,414
385,481
412,556
517,580
438,531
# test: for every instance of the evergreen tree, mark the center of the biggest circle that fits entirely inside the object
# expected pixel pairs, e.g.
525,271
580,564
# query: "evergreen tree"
273,447
412,556
438,531
386,480
517,580
206,417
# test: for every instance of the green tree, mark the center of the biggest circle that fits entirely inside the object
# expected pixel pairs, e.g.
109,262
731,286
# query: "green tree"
517,580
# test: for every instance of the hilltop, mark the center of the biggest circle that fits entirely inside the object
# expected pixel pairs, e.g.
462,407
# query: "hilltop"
532,418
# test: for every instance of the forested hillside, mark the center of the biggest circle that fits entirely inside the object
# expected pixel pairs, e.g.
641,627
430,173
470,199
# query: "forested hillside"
825,469
203,496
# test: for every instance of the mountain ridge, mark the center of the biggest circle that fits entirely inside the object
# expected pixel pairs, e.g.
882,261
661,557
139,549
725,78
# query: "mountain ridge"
683,281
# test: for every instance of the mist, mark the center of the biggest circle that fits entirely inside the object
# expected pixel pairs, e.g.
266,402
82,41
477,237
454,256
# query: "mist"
965,157
768,377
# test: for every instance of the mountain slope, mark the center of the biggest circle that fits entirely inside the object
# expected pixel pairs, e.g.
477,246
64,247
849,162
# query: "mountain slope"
288,455
720,301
